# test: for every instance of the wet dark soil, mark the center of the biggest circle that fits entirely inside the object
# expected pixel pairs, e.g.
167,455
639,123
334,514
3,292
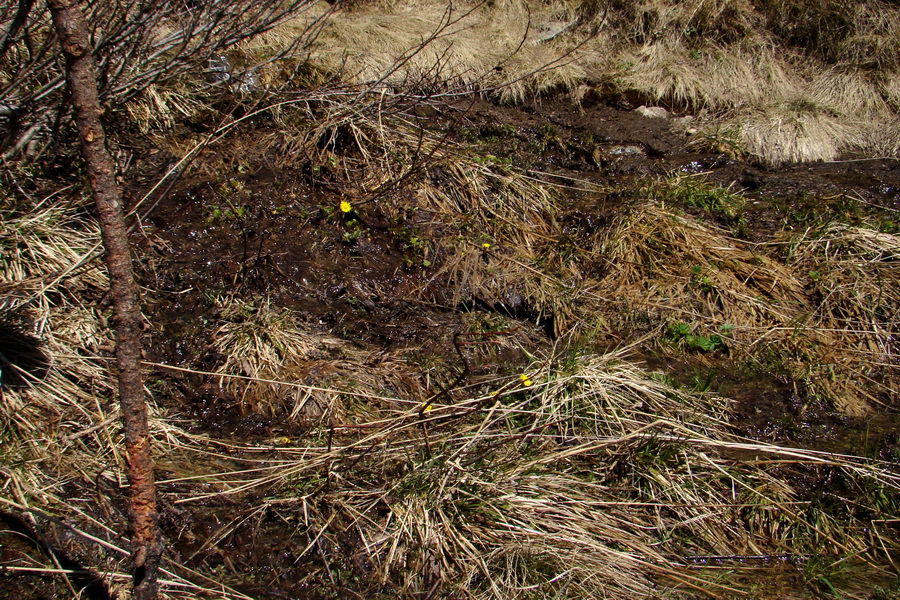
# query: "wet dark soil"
272,231
23,546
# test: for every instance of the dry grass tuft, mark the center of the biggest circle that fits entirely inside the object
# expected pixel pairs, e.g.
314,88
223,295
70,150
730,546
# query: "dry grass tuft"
596,480
797,131
716,79
605,396
505,225
274,365
673,267
48,263
781,115
720,139
843,92
854,272
889,86
710,292
692,21
510,49
162,107
858,34
45,248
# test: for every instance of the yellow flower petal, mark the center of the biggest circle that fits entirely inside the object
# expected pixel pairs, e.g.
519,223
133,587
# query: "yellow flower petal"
345,206
485,245
527,382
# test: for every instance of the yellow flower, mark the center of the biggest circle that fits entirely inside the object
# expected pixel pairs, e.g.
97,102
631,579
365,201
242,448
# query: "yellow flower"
426,406
486,246
526,381
345,206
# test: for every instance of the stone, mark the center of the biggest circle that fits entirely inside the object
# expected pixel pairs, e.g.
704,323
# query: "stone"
652,112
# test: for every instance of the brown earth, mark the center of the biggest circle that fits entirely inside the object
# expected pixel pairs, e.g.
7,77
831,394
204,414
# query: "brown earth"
266,230
286,243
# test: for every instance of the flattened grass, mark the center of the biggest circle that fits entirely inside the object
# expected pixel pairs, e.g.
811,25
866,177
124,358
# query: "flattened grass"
596,479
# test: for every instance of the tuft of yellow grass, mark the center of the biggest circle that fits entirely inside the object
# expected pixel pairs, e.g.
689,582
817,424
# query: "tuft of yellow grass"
46,248
669,264
274,365
797,131
853,269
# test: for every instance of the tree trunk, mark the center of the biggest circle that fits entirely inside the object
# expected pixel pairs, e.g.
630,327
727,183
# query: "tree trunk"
71,26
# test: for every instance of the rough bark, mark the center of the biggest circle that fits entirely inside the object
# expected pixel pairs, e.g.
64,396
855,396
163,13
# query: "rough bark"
71,26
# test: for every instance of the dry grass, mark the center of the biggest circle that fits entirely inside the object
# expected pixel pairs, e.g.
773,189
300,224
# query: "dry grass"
720,56
798,131
728,58
498,211
596,480
697,21
499,244
60,438
738,66
711,292
49,269
267,348
784,112
674,267
44,248
717,79
854,272
856,34
590,477
466,44
162,107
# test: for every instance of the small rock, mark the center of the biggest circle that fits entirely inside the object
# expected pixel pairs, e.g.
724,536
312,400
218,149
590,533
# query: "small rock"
653,112
625,150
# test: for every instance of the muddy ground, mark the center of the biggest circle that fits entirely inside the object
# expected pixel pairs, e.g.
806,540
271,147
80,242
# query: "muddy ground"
287,246
262,228
268,230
